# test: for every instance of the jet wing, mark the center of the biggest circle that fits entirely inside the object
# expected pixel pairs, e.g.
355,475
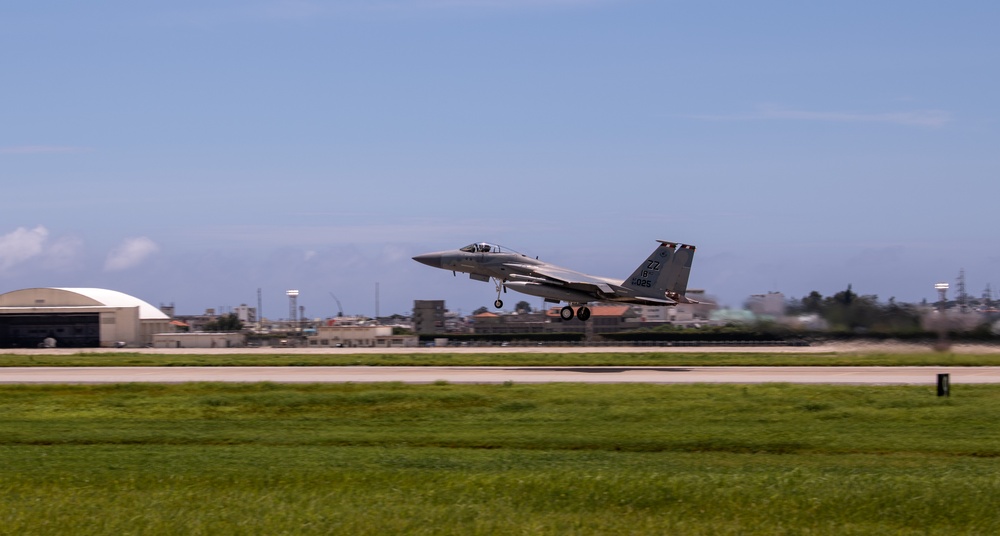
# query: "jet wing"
600,288
562,277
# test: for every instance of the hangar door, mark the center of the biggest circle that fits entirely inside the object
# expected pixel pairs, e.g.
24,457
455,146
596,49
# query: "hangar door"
74,330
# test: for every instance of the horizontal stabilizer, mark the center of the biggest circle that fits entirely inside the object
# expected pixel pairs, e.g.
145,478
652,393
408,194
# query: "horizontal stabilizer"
649,300
605,288
680,298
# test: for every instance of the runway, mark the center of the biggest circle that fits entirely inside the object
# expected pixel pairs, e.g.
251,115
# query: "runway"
498,375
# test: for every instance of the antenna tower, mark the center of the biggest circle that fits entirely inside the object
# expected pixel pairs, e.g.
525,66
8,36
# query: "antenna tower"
260,310
961,298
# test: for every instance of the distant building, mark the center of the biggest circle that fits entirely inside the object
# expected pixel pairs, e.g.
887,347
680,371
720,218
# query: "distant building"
511,323
428,316
246,314
603,319
359,336
772,304
77,317
201,339
197,322
682,313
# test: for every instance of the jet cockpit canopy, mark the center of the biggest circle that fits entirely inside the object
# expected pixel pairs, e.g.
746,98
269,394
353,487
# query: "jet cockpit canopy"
481,247
486,247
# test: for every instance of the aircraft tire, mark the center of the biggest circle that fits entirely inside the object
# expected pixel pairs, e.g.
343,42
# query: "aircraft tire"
583,313
498,304
566,313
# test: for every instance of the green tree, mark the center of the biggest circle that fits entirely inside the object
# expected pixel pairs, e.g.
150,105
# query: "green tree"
229,322
848,311
523,307
813,303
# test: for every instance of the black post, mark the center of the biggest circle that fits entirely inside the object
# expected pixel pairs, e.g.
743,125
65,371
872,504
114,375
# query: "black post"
943,387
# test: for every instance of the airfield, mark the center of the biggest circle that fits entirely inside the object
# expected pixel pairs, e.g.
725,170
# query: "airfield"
813,374
839,348
501,375
671,442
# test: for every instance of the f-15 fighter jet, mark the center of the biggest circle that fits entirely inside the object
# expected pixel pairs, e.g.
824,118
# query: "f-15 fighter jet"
660,280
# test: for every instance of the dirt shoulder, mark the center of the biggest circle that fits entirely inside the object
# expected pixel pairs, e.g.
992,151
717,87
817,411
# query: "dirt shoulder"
836,348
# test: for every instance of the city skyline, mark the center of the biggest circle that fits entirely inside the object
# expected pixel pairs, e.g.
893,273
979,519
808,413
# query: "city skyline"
193,153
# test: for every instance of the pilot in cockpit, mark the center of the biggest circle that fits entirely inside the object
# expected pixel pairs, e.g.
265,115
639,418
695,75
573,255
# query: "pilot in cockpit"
481,247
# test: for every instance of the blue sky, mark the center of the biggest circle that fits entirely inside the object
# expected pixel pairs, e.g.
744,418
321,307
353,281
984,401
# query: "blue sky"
193,152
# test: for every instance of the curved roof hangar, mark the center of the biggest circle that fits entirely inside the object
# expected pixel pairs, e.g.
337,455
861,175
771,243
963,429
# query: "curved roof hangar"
79,297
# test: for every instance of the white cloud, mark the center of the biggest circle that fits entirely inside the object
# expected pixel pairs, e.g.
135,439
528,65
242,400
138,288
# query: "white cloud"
21,244
130,253
919,118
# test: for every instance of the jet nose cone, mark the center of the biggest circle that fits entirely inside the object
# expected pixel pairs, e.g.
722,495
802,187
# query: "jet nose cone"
430,259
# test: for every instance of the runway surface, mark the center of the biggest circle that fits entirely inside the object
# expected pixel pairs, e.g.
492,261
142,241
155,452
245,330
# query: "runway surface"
486,375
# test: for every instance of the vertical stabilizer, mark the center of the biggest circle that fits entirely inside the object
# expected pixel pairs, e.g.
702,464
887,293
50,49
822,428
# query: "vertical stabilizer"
676,279
648,278
664,273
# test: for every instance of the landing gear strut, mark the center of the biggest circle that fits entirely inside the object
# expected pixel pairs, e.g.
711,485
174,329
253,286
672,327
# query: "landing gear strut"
500,286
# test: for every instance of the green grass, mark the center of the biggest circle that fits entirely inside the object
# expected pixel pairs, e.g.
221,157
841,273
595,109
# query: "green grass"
498,459
126,359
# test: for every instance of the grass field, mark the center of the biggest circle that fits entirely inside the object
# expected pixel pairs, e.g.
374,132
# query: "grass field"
498,459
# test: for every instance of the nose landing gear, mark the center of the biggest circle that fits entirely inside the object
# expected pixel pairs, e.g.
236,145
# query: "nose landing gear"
500,286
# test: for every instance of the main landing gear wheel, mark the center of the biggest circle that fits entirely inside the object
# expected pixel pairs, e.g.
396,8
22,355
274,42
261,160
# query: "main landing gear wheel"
566,313
583,313
500,286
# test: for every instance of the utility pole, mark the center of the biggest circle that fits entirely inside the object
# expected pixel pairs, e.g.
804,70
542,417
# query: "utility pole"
961,297
942,320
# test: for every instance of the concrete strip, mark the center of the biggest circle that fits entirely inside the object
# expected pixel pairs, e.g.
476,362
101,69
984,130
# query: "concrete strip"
494,375
836,348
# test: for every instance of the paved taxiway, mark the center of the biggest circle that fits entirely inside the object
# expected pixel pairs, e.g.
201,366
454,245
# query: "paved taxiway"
486,375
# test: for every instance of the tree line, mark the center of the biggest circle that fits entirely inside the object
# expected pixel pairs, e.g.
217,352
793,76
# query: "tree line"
847,311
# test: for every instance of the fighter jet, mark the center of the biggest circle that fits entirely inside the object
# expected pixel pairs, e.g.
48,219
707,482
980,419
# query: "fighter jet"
660,280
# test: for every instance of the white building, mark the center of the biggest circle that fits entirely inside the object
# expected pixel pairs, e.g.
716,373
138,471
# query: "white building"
772,304
199,339
78,318
359,336
682,313
246,314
